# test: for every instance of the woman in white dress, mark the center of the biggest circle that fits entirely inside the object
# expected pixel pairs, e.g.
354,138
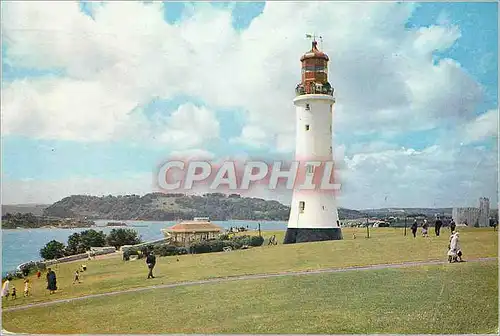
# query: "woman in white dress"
454,253
5,288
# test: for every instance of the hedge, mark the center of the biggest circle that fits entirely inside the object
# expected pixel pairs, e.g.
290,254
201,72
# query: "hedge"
204,246
169,250
217,245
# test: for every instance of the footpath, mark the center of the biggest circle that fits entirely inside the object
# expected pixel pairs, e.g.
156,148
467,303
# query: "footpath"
246,277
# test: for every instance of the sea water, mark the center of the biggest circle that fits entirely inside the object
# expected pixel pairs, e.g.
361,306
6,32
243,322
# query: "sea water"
23,245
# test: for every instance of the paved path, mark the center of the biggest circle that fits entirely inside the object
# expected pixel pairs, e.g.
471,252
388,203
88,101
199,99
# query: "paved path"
245,277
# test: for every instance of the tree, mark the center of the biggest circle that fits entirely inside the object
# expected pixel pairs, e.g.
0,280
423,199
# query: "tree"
74,244
93,238
83,241
52,250
120,237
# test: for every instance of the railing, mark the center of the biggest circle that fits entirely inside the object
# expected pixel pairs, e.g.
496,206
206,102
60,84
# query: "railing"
314,88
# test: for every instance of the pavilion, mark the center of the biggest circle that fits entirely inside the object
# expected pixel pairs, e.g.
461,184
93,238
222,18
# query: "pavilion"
187,232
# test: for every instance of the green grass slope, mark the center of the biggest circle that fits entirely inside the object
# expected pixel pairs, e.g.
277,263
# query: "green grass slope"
452,298
386,245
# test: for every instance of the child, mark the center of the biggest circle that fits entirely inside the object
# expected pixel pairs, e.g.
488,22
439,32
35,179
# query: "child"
26,287
14,295
77,277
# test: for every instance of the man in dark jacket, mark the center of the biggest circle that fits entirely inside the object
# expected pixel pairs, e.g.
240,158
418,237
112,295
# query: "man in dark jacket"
151,262
414,228
452,226
437,226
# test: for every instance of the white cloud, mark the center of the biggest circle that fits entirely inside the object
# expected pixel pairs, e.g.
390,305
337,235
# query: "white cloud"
433,177
67,109
192,154
484,126
385,78
252,136
189,126
383,73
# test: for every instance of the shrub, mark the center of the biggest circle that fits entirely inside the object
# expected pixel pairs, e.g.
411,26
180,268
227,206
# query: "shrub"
131,252
216,245
235,244
242,240
256,241
224,236
200,247
31,267
182,250
165,250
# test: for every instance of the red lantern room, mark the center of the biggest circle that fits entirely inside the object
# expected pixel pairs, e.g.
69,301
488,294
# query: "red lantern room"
314,72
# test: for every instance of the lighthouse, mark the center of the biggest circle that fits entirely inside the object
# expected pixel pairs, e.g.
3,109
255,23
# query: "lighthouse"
313,213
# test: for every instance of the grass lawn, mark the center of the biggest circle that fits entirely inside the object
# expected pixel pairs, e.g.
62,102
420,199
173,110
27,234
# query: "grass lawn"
451,298
386,245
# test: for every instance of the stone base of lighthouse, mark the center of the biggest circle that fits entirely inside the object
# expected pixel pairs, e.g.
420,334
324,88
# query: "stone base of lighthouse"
305,235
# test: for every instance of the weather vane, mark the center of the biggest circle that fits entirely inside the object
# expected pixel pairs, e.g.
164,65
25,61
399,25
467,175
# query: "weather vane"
314,36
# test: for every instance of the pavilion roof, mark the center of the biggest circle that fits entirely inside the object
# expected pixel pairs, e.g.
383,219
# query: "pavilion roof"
194,226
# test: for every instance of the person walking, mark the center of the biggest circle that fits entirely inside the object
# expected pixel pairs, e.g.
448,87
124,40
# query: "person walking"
425,228
38,274
51,281
414,228
453,226
76,277
151,262
437,226
5,288
26,287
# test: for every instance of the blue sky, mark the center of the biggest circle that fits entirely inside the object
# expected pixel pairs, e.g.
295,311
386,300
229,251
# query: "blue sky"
28,155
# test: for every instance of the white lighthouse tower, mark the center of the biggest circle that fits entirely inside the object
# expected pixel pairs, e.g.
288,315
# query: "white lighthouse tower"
313,213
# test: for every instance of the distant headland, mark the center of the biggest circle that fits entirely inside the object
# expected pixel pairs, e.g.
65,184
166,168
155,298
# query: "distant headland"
81,210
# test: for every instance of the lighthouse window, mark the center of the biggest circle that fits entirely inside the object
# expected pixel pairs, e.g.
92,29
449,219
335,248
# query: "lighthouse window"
302,206
331,150
307,127
316,68
308,108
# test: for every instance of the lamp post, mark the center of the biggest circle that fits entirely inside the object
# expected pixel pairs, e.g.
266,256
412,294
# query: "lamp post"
367,229
405,224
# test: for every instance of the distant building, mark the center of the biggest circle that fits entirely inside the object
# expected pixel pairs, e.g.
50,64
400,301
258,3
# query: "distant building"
484,211
187,232
473,216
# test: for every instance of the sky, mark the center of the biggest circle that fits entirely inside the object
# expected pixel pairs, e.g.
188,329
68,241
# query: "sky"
96,95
